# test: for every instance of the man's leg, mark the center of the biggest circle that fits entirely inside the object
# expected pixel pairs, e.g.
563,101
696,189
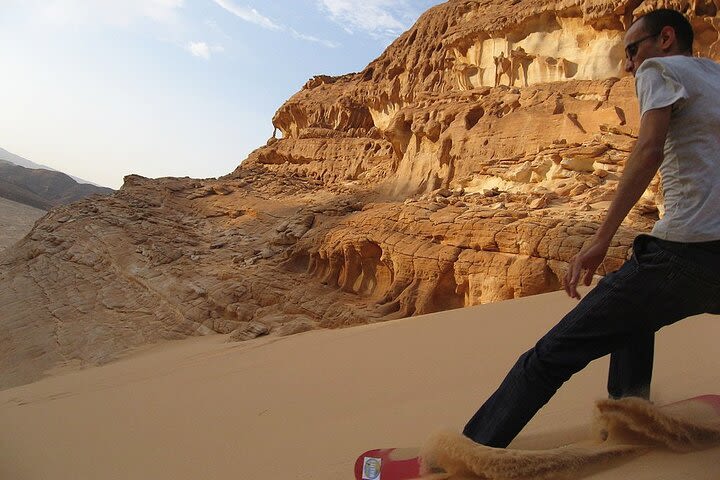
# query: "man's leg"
631,367
580,337
650,291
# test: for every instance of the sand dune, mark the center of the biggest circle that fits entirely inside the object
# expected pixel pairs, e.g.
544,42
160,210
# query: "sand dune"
303,407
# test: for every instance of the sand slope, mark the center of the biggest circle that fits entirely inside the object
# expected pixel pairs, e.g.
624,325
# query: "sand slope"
303,407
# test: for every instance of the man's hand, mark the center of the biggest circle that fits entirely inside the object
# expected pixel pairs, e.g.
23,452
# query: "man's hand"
589,259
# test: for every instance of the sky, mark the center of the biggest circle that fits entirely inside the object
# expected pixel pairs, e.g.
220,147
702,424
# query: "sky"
100,89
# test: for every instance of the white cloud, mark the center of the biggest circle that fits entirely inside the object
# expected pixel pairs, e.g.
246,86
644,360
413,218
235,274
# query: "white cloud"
203,50
199,49
379,18
248,14
310,38
253,16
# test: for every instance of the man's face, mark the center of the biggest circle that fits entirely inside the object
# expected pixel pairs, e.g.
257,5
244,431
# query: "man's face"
639,46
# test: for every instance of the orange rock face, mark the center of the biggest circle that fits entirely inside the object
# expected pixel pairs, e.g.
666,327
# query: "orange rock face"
466,165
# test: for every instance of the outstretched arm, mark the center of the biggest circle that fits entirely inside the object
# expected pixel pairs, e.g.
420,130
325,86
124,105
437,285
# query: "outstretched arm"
641,167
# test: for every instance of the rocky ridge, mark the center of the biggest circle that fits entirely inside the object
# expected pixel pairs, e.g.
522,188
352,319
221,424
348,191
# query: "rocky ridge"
467,164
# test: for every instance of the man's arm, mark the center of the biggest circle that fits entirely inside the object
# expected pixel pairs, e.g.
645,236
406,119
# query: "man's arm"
641,167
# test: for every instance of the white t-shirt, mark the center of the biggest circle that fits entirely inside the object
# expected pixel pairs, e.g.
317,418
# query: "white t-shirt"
690,171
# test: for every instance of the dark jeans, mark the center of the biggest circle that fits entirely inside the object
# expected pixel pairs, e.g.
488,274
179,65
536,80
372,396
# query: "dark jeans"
662,283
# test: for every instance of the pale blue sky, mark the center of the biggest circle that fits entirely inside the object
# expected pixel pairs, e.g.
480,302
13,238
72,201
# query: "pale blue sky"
103,88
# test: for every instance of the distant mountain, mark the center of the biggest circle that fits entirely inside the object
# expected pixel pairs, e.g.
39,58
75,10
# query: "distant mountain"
18,160
24,162
42,188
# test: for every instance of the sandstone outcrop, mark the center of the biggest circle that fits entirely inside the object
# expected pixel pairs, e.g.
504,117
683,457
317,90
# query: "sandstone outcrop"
467,164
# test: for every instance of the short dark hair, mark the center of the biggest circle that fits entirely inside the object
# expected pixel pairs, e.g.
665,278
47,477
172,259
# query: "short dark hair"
656,20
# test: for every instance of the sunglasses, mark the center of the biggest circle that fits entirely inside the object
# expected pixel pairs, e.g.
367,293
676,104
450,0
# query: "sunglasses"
631,49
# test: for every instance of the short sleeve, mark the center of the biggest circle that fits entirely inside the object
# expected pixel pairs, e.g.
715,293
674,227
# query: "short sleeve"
658,87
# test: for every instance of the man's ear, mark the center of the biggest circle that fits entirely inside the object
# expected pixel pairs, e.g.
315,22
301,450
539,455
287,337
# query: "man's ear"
667,38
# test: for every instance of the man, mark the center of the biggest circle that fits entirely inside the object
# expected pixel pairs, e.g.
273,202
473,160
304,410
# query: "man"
672,274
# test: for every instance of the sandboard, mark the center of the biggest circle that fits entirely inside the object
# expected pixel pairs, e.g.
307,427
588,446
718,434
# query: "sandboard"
629,427
388,463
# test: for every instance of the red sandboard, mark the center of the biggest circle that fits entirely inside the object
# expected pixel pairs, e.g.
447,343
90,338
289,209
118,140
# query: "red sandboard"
404,463
388,464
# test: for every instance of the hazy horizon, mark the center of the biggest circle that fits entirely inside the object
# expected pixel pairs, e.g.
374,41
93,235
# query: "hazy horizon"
100,89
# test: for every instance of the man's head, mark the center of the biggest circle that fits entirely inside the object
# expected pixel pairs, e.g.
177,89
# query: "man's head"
659,33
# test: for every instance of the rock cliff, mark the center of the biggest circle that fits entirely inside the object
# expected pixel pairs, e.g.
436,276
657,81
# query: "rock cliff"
467,164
